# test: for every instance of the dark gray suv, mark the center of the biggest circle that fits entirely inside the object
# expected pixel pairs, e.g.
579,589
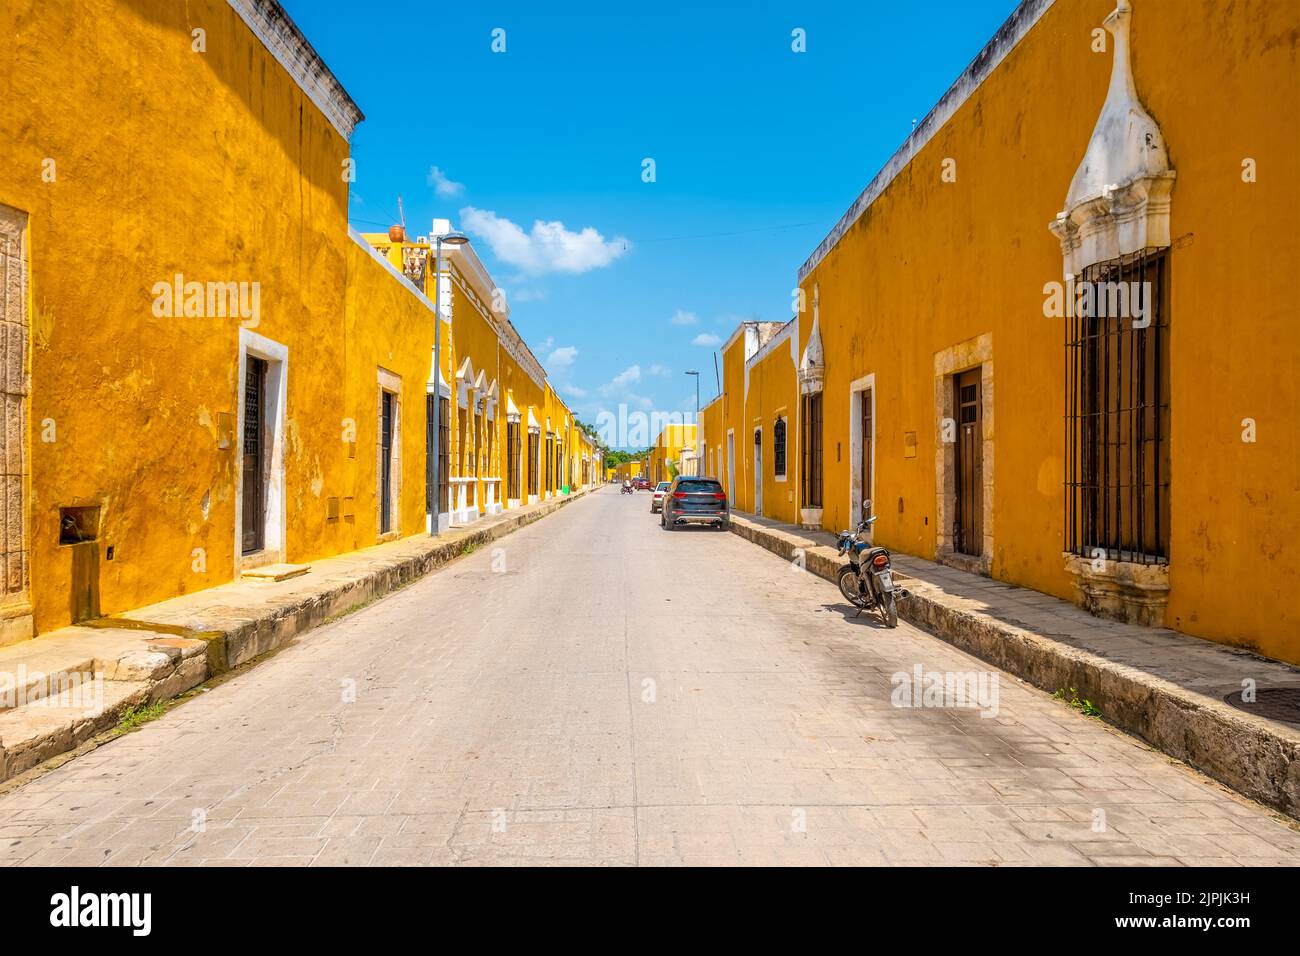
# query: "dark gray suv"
698,500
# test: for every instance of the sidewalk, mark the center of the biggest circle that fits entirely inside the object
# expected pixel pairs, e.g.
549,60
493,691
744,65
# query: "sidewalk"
61,689
1163,686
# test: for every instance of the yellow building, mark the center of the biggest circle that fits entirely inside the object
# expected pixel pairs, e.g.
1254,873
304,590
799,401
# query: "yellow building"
199,381
665,458
1099,228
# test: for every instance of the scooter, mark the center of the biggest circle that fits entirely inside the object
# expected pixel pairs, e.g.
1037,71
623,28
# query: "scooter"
867,581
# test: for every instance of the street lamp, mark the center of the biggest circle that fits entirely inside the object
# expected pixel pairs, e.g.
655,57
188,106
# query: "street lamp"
451,238
698,464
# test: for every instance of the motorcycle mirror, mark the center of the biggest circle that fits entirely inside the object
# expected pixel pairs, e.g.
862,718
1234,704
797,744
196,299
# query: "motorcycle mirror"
866,507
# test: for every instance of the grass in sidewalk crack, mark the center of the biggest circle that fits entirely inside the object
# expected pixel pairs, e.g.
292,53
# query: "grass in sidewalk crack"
135,717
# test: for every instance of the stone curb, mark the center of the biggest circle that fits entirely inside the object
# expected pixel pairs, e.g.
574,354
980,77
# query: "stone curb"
1257,758
233,645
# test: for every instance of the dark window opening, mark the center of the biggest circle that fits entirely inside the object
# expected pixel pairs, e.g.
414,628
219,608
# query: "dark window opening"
778,448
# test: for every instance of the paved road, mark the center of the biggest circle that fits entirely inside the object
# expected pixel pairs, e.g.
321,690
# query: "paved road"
616,694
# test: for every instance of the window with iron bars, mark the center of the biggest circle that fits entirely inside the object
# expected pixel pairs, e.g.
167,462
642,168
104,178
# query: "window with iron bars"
512,461
811,477
1117,411
778,448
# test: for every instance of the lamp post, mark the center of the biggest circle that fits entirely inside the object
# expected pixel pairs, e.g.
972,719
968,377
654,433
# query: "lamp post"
431,476
699,465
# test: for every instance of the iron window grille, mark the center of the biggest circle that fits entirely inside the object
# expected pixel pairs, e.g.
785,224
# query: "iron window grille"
778,448
1117,411
512,461
533,447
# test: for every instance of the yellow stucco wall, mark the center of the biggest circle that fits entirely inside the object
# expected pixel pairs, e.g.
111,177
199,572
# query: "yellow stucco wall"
155,178
667,448
712,465
932,264
772,392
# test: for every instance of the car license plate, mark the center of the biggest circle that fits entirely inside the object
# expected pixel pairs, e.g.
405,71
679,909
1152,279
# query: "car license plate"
886,581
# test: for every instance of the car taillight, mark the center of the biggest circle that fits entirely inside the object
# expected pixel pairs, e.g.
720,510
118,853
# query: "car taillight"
679,494
880,560
720,497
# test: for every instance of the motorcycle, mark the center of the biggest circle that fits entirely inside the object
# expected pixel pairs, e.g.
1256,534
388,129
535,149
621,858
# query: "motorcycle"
626,490
867,581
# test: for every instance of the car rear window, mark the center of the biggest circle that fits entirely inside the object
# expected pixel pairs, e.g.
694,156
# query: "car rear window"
663,486
696,486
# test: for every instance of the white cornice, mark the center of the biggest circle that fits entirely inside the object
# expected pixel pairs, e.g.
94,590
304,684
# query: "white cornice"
1020,22
281,36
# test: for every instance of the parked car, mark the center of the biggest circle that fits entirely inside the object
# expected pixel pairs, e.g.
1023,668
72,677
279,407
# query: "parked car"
641,484
657,501
695,500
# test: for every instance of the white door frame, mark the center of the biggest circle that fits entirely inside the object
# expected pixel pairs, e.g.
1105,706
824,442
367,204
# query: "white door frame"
857,494
731,467
276,356
391,383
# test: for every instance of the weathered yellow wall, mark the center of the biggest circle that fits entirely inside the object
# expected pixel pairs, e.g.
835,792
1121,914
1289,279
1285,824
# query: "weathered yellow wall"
713,464
668,447
214,165
773,391
388,326
733,418
931,264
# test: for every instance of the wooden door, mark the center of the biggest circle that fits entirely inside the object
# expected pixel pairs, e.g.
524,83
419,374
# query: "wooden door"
867,465
386,464
968,522
254,452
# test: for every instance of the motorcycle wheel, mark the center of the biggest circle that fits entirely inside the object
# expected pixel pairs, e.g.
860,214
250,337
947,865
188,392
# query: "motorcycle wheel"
888,608
850,586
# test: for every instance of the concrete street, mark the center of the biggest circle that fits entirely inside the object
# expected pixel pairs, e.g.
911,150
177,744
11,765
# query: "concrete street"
595,690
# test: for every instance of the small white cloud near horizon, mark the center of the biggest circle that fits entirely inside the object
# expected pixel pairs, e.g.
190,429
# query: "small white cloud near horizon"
445,188
684,318
707,339
563,356
549,247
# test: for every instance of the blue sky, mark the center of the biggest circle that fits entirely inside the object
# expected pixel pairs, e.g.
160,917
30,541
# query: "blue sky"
758,150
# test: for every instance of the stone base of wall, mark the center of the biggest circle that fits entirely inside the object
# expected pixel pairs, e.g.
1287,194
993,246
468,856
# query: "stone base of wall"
1120,590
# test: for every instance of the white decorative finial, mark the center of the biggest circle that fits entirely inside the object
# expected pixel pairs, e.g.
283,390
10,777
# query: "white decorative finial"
1118,201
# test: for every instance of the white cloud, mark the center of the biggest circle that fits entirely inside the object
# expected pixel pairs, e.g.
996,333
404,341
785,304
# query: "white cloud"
549,247
529,295
574,391
663,371
684,318
444,187
707,339
620,382
562,356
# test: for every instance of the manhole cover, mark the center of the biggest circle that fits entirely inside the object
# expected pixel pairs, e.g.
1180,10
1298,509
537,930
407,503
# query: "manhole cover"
1275,703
